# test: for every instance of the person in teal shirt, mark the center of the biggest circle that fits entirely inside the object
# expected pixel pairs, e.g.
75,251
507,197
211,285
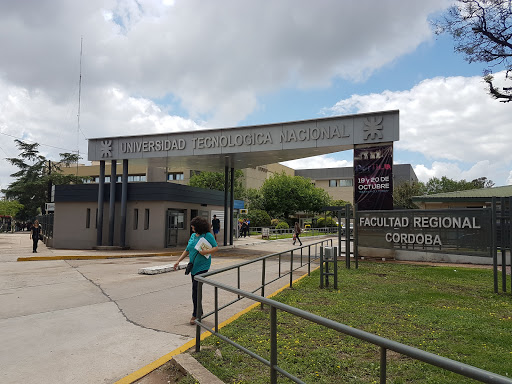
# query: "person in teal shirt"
201,229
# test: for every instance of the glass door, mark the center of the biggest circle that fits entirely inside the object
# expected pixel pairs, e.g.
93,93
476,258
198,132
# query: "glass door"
175,222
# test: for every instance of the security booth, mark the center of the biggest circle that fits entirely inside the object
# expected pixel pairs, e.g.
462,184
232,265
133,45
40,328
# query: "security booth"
157,216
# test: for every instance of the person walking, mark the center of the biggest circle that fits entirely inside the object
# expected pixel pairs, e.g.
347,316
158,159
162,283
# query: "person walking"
215,226
35,233
201,260
296,233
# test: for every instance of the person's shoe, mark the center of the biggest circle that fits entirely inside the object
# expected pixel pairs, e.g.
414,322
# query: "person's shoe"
33,251
193,321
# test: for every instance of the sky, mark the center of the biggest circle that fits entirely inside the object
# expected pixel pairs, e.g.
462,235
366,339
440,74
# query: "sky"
74,70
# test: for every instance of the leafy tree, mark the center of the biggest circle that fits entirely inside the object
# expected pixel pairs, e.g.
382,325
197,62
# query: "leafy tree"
482,30
444,184
254,199
215,181
34,177
258,218
284,195
483,182
336,203
404,192
10,207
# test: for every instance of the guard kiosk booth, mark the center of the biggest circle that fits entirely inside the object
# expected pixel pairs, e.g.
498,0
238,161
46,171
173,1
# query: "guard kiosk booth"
158,214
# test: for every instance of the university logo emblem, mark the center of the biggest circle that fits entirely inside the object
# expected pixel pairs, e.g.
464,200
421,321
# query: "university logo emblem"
106,148
373,128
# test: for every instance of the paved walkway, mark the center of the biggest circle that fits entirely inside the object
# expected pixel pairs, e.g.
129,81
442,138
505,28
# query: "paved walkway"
97,320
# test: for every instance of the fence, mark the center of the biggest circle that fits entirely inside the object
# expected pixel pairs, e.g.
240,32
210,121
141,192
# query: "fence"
383,343
273,233
46,222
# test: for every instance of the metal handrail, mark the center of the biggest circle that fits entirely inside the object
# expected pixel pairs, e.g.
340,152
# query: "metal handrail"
384,344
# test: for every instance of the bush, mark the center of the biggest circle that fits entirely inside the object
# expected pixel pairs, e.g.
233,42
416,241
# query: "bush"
325,222
282,225
258,218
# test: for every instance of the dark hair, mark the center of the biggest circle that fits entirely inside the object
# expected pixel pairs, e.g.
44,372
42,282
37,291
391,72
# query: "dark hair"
201,226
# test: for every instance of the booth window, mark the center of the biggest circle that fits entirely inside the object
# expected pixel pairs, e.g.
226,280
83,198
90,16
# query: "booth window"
88,218
146,218
135,219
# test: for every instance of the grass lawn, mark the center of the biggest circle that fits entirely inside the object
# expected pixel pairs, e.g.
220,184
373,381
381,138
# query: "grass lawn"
449,311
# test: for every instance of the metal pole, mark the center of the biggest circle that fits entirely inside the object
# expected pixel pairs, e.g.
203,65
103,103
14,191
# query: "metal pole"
493,245
112,203
383,367
309,260
273,345
347,235
101,197
231,205
199,314
291,268
263,281
321,267
503,246
356,236
216,299
124,203
226,222
510,235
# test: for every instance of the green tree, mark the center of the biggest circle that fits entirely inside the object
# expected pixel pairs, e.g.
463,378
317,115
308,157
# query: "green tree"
284,195
215,181
254,199
482,30
404,192
258,218
10,207
483,182
36,174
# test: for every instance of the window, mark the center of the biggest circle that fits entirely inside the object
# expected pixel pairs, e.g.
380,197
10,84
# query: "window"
146,218
175,176
135,219
88,218
346,183
96,221
333,183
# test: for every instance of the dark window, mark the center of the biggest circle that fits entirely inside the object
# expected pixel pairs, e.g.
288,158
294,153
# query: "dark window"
135,218
88,218
146,219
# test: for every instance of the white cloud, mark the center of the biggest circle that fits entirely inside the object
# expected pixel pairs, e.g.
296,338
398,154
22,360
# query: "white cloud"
214,58
451,121
317,162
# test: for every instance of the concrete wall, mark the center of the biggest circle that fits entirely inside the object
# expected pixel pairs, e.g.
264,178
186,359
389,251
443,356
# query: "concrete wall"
70,219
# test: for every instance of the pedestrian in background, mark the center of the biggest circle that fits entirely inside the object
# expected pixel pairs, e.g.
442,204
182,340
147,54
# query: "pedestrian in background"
35,234
215,226
296,233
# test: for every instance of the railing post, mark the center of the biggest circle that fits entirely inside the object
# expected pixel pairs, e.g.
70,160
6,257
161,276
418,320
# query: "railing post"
216,290
383,365
263,281
238,269
199,314
493,246
279,265
291,268
273,345
309,260
321,267
503,246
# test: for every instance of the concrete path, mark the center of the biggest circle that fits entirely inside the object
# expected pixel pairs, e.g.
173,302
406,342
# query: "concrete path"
98,320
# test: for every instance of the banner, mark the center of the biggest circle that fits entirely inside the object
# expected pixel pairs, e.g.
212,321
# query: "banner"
373,178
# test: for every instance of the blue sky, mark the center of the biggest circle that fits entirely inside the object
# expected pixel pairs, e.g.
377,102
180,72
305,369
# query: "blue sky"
165,66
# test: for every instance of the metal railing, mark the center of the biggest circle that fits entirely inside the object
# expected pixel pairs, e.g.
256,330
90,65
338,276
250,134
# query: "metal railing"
288,232
384,344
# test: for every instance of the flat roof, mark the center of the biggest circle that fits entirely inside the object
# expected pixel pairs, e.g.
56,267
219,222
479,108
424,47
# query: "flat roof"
480,194
250,146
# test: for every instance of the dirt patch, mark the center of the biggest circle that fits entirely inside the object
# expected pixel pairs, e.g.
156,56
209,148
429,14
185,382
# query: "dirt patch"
169,373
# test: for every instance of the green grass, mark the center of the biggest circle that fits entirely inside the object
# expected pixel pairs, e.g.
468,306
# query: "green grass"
448,311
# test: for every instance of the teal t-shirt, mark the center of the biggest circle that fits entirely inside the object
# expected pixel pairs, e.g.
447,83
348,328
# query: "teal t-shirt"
201,263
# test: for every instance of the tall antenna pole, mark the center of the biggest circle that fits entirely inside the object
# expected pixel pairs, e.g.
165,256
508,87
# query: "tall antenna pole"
78,115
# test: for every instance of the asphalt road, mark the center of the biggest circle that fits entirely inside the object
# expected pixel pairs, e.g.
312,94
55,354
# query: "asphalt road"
97,321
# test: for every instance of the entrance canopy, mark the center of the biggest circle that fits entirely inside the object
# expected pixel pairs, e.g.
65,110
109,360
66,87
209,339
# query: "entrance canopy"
244,147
